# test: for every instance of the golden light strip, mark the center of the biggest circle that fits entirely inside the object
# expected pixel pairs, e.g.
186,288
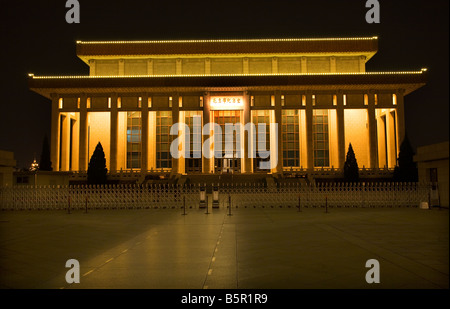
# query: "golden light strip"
226,75
229,40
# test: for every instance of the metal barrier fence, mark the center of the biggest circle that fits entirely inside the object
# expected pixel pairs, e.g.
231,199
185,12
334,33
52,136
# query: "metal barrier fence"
151,196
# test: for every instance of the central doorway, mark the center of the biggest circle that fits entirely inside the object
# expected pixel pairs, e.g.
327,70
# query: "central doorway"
229,161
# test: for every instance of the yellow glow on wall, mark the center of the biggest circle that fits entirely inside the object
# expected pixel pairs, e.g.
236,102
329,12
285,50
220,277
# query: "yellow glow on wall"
394,99
357,133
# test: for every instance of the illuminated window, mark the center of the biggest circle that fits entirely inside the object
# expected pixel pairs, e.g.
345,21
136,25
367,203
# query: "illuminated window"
60,103
345,99
366,99
149,102
193,159
109,102
272,100
252,101
119,103
170,101
180,101
334,100
134,151
282,100
88,103
313,100
261,117
320,137
290,138
139,102
394,99
163,139
201,101
376,99
78,102
303,100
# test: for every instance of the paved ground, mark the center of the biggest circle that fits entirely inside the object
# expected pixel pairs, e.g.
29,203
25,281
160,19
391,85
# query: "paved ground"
253,248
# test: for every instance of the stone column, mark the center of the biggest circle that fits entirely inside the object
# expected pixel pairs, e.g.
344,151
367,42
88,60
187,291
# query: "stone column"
65,141
309,133
333,64
373,143
121,67
207,66
175,119
149,67
54,138
114,118
92,70
278,121
144,134
83,161
391,136
304,65
400,117
206,119
245,66
362,63
247,135
274,65
340,128
178,66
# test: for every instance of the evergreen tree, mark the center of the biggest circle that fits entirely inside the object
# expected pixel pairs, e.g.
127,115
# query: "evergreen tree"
45,164
406,168
351,170
97,166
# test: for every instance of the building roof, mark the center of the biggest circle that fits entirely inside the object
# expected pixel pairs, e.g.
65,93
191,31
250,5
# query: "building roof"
366,46
409,81
433,152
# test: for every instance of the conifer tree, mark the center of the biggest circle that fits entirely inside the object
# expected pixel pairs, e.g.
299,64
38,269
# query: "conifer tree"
45,164
351,170
406,168
97,166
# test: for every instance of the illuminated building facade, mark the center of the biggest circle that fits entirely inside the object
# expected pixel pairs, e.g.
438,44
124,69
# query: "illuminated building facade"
317,91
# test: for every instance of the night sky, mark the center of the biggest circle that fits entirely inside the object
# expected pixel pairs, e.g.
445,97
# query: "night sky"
36,39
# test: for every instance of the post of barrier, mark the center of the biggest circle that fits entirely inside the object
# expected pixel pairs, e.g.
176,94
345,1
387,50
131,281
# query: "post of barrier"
202,197
207,213
429,200
326,204
86,205
68,208
229,204
299,204
184,205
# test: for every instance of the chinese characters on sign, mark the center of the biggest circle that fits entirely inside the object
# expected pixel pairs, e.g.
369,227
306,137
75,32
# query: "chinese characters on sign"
226,103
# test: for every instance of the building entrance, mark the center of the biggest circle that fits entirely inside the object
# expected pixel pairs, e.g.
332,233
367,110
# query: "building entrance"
227,159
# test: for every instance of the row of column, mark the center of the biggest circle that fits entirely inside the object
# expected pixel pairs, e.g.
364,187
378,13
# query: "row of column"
207,68
83,141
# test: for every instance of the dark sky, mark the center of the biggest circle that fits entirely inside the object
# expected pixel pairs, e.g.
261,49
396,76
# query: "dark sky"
36,38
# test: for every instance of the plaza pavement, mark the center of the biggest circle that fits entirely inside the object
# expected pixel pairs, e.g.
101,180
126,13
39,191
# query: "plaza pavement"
255,248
